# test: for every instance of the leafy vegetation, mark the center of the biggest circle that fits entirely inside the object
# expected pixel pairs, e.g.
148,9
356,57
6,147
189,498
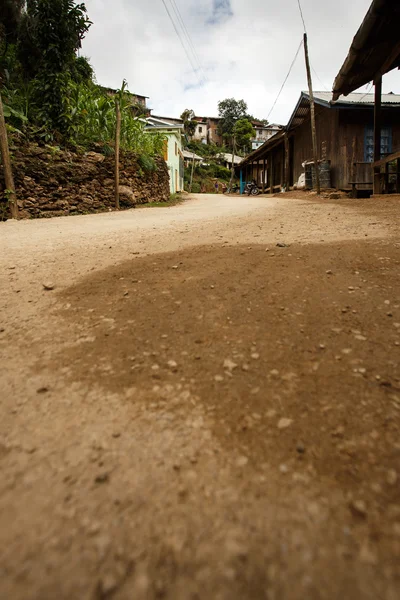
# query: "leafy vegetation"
243,132
235,124
189,122
49,92
93,121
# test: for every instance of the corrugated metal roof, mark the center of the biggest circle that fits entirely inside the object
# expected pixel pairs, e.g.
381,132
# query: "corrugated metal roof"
190,155
228,158
356,98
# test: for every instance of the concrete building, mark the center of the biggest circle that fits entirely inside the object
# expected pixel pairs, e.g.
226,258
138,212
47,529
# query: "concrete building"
263,133
173,154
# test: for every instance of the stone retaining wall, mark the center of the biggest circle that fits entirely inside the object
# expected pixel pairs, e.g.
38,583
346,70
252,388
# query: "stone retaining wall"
53,182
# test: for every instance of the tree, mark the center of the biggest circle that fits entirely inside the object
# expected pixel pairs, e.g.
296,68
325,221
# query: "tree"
81,70
189,122
230,111
51,33
243,133
10,17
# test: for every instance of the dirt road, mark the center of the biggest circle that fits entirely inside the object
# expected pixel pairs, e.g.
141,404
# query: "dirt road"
193,412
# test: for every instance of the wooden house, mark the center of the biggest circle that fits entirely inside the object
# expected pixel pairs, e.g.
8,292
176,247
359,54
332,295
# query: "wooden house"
345,143
375,51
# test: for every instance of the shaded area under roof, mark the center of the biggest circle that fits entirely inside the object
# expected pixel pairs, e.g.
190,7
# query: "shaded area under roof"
375,49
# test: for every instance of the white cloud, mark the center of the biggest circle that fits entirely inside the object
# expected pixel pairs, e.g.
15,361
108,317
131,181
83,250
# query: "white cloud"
245,48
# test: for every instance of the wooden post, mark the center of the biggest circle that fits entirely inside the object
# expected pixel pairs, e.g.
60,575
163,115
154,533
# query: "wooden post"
8,176
398,176
191,176
353,175
117,140
263,181
312,110
258,172
377,133
287,176
271,161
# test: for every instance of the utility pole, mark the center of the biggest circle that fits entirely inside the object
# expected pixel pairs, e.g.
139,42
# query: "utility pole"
5,154
191,176
117,140
312,110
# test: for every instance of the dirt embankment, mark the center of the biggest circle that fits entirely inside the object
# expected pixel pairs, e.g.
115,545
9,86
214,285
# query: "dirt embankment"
53,182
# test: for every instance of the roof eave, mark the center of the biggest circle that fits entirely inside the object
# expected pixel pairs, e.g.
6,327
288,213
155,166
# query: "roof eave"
342,84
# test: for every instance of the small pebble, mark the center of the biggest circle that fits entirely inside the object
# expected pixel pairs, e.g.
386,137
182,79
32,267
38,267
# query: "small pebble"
284,423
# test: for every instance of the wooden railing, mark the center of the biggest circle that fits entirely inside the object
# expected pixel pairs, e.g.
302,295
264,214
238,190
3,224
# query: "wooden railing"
387,174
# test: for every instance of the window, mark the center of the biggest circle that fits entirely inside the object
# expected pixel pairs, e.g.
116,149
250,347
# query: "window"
386,143
165,150
200,130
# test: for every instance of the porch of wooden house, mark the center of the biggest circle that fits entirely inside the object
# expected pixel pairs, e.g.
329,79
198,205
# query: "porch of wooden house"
374,52
268,167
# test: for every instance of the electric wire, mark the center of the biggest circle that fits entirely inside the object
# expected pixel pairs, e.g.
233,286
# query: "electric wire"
286,78
321,82
181,41
188,38
368,91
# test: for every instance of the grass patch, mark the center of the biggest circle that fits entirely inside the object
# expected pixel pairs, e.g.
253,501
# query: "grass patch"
173,201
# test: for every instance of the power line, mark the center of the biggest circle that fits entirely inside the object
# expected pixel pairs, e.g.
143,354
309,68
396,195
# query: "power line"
286,78
368,91
195,69
302,17
321,82
188,38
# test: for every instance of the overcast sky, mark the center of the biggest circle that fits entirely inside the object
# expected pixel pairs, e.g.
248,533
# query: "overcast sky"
244,48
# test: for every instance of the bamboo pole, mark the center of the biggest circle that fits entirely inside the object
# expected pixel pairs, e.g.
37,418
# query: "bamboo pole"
117,142
312,109
5,154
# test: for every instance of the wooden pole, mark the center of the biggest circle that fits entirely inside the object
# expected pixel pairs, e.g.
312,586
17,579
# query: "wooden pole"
287,182
353,175
398,176
8,176
263,181
117,141
271,161
377,133
312,110
191,176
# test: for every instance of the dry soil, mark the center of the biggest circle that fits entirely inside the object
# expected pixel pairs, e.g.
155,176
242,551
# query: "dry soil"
191,411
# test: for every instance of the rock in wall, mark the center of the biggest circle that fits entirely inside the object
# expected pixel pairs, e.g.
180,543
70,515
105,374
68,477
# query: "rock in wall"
53,182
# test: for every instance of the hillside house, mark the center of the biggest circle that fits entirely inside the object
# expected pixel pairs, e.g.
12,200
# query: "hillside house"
263,133
173,154
139,103
207,131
